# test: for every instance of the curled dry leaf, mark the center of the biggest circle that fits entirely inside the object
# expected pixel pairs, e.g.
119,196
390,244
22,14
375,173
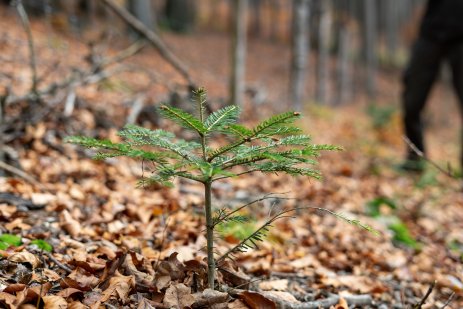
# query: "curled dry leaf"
256,300
274,285
76,305
50,274
69,224
7,299
208,298
178,296
119,287
54,302
237,304
25,257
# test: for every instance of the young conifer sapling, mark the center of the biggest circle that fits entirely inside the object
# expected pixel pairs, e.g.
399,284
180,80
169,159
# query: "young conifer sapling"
275,145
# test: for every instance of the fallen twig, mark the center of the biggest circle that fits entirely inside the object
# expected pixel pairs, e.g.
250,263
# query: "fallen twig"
425,297
152,37
422,155
20,173
449,300
27,27
58,263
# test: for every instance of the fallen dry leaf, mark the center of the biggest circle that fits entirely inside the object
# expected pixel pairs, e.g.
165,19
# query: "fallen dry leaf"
256,301
209,298
278,285
25,257
69,224
237,304
54,302
178,296
119,287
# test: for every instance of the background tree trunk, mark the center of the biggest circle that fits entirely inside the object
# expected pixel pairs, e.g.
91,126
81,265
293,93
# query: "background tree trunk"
237,83
343,65
180,14
369,43
144,11
324,31
299,49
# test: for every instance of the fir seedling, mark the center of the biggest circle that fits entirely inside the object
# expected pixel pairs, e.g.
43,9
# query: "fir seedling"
273,146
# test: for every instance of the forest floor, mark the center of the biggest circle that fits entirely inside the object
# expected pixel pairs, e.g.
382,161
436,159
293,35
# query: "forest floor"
117,245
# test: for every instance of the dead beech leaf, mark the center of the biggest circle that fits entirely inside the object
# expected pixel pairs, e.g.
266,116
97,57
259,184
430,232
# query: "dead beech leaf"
50,274
25,257
272,285
342,304
119,287
69,224
209,298
76,305
68,292
178,296
237,304
256,301
7,299
362,284
54,302
279,296
162,282
13,288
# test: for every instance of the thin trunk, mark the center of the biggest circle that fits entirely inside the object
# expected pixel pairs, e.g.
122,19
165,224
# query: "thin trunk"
324,30
300,44
143,10
370,46
27,27
256,17
391,29
343,65
237,83
209,234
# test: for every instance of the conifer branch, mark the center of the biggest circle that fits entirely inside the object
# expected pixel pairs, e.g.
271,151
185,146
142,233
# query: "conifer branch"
224,215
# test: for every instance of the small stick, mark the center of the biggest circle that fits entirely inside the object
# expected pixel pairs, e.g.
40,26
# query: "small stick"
152,37
449,300
421,154
423,300
20,173
58,263
27,27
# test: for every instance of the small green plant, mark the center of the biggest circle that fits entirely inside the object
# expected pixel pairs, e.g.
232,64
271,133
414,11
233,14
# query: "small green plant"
42,245
9,240
400,231
275,145
380,115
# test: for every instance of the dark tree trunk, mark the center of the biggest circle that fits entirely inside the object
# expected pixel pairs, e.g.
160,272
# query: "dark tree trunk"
180,14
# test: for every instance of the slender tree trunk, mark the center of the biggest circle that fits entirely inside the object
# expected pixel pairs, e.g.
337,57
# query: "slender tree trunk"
370,46
237,83
256,17
343,65
143,11
392,28
324,30
300,48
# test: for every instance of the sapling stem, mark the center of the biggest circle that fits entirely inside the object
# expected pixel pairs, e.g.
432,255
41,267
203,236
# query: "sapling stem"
209,233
